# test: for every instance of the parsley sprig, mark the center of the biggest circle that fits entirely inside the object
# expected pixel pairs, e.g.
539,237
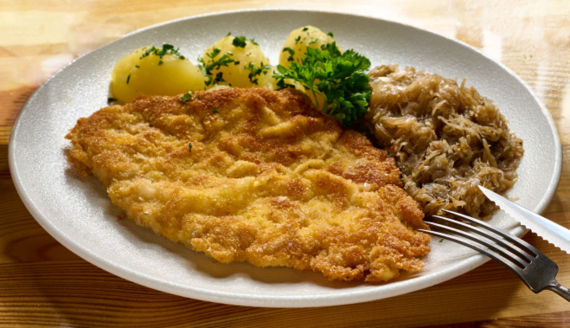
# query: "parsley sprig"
340,78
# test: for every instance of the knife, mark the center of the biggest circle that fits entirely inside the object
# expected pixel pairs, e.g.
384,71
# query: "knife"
548,230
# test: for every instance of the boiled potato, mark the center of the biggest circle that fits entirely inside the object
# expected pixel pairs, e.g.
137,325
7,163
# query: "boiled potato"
298,41
248,67
154,71
267,80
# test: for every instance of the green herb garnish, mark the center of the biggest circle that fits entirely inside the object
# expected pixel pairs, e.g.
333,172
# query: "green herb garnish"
219,78
160,63
305,29
110,100
206,69
239,41
190,147
214,53
167,49
330,34
339,78
214,111
291,51
187,96
297,39
256,71
128,78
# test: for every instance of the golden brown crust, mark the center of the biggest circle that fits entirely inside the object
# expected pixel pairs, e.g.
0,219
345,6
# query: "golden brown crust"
269,180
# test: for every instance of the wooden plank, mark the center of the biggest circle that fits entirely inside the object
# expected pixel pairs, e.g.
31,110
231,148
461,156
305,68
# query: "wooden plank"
547,320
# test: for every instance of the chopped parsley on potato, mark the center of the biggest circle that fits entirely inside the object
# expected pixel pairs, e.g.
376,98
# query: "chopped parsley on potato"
154,71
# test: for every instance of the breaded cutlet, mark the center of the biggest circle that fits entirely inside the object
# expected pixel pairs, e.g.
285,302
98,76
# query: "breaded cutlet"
255,175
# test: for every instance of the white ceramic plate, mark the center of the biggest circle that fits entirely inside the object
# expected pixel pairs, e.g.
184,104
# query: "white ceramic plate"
79,214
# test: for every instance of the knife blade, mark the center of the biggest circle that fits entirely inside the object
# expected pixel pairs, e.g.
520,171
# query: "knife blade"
546,229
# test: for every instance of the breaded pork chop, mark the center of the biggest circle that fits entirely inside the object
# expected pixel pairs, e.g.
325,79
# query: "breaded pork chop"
255,175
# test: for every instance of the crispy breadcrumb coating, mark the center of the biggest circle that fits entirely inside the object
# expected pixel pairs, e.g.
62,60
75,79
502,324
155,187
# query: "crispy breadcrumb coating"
255,175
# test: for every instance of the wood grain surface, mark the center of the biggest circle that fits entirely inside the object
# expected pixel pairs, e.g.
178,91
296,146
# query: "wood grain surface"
44,284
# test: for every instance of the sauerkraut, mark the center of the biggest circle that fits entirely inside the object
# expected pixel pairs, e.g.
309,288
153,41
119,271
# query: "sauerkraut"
446,138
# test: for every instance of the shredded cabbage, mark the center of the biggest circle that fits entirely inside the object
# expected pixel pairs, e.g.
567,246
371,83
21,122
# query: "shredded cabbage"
446,138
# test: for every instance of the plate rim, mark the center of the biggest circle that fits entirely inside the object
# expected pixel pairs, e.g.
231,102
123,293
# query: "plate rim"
291,301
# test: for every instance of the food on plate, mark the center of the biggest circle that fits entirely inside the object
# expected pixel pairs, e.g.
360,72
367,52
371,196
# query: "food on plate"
299,41
237,62
255,175
446,138
336,82
154,71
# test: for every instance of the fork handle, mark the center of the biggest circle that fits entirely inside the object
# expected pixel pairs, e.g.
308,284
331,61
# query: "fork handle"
560,290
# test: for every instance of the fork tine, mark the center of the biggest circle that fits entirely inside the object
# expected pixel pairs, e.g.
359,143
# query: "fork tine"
489,235
515,269
503,252
537,275
521,243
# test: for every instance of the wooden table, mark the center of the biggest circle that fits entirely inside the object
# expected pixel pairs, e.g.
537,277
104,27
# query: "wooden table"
43,283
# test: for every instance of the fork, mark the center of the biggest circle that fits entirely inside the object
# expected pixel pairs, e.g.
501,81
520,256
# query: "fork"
535,269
